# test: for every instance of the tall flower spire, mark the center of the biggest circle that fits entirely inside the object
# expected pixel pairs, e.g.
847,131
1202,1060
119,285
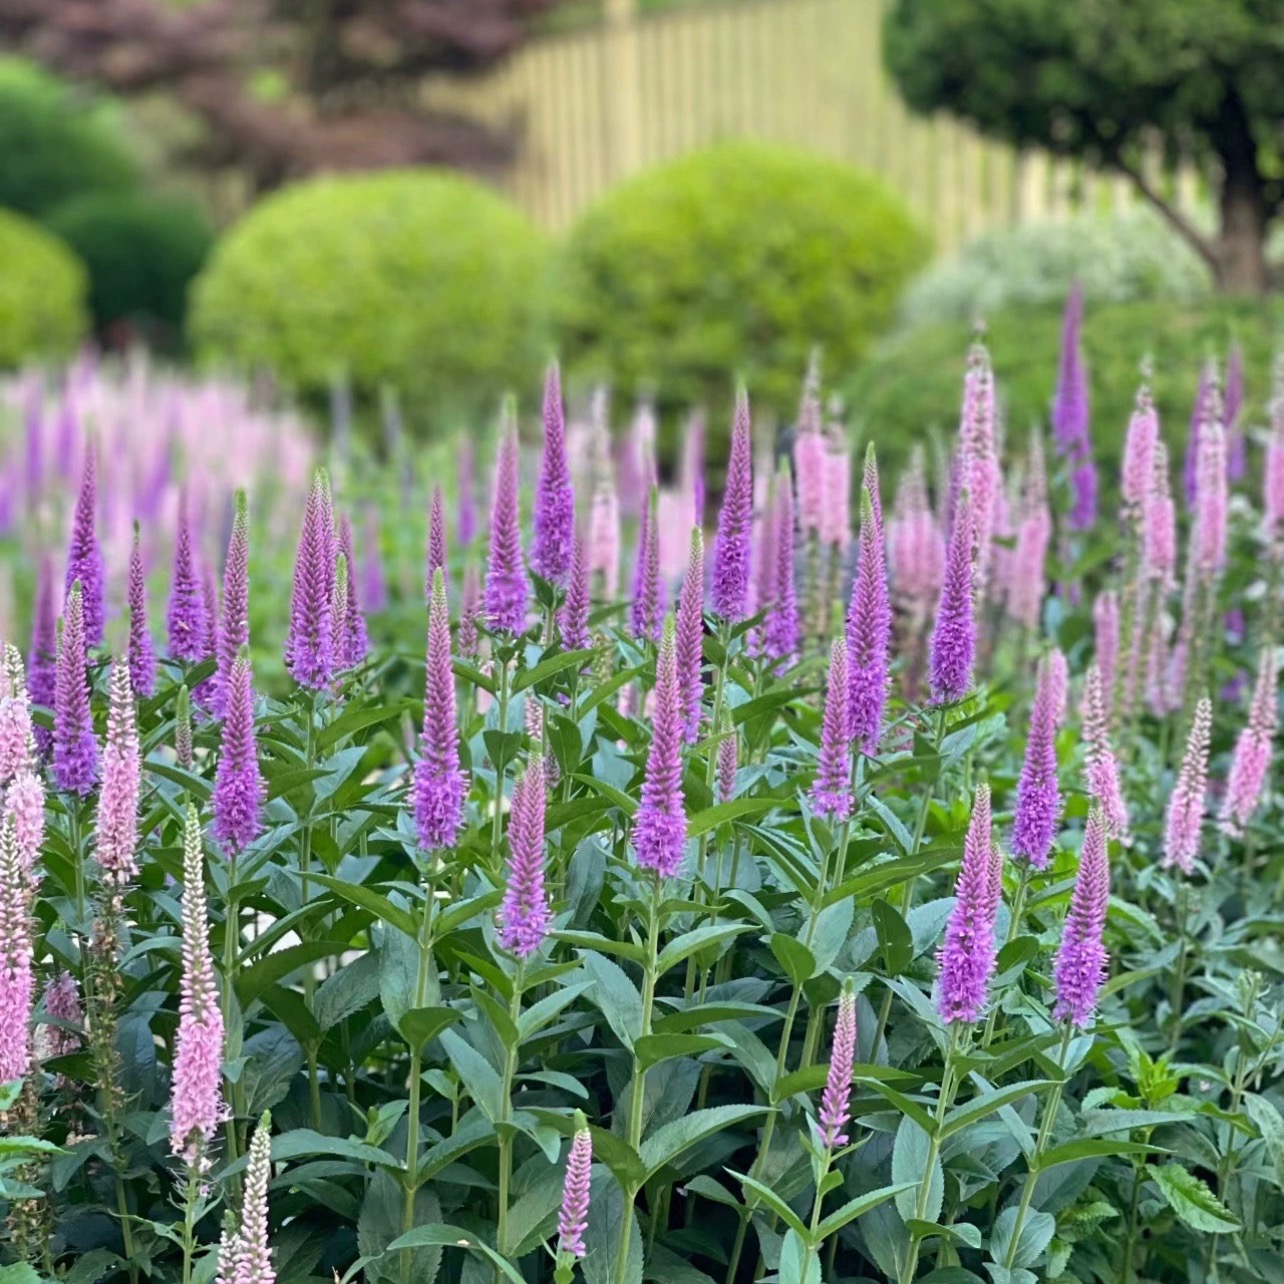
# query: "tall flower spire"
75,751
1186,802
1136,479
690,638
1101,770
439,786
573,617
246,1256
1081,961
735,521
17,983
436,539
524,915
835,1103
84,555
954,638
646,614
187,618
554,515
728,764
660,828
809,456
1105,620
979,462
196,1101
470,605
238,786
831,792
506,587
309,646
142,655
869,634
42,658
1252,757
1038,804
572,1221
122,780
780,627
355,642
234,627
1198,413
1070,416
1033,535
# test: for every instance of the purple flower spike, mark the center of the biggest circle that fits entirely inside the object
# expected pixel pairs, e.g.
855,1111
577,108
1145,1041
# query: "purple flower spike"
1101,770
869,633
573,618
117,837
954,638
75,751
646,615
524,916
968,954
1198,413
1081,961
1070,416
309,646
735,521
238,786
84,556
554,516
187,618
809,457
780,626
660,830
355,640
1236,449
506,587
831,792
1038,805
728,764
42,658
1186,802
436,539
690,638
693,465
1252,758
572,1221
439,787
835,1103
142,655
234,627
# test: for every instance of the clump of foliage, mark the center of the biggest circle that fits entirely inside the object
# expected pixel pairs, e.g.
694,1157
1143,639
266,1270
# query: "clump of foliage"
42,293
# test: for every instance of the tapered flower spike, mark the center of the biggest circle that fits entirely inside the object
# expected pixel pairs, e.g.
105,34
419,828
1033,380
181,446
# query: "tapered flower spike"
234,626
24,805
142,654
506,587
1198,413
836,520
872,486
209,599
42,657
646,614
1070,417
1186,802
968,954
735,522
187,617
914,546
524,915
1159,539
690,638
728,764
835,1102
554,514
1253,750
954,638
1101,770
1038,803
573,617
869,634
238,785
84,555
117,836
61,1000
15,717
183,750
309,645
1273,472
436,539
572,1221
470,605
439,786
196,1100
809,457
249,1260
780,626
75,751
831,792
17,983
356,641
978,462
1137,475
1105,620
660,828
1080,967
1208,533
338,610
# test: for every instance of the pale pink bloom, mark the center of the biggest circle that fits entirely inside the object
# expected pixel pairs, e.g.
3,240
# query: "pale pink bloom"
1253,750
1186,802
1100,767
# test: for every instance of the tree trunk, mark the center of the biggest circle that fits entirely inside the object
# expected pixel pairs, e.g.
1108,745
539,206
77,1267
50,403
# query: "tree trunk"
1241,243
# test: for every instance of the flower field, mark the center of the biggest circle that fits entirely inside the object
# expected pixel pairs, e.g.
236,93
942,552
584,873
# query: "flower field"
873,880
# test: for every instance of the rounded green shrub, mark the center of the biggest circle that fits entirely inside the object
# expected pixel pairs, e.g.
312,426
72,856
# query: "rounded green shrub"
735,260
415,279
56,142
42,293
141,251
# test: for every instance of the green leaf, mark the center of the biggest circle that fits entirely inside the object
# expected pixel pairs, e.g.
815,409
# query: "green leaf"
666,1144
480,1079
556,663
602,944
829,934
457,913
418,1025
19,1273
798,1261
1097,1123
533,1214
857,1207
904,1104
698,1014
381,1221
909,1166
1070,1152
793,956
987,1103
686,945
892,823
1190,1198
273,1061
358,717
446,1236
275,967
773,1201
531,1021
712,817
1270,1123
304,1141
607,1210
348,991
615,995
368,899
626,804
651,1049
958,1233
1036,1233
894,939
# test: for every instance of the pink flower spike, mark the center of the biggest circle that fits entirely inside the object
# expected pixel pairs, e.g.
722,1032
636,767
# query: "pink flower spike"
1186,802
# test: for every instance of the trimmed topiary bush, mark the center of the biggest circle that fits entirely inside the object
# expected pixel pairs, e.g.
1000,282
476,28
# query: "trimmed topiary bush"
142,252
417,279
738,258
42,293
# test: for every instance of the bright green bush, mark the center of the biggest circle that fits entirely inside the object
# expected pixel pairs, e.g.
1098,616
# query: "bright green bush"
142,252
417,279
42,293
736,259
54,142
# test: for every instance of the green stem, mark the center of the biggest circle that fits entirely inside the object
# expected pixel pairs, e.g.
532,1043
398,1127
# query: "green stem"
506,1134
305,893
231,943
191,1195
1125,1273
497,821
1014,927
1179,972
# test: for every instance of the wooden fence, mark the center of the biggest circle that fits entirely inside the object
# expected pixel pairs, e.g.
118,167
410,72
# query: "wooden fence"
595,106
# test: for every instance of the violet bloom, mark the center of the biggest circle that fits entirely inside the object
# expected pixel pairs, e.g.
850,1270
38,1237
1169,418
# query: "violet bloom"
1070,416
646,614
142,655
439,785
1105,620
524,917
1159,543
831,791
1208,533
209,596
690,638
572,1221
573,617
187,618
1136,480
735,522
1186,802
234,627
1236,448
309,645
728,762
1253,749
354,642
954,638
869,635
1101,770
84,556
979,462
554,513
61,1000
436,539
1081,960
17,982
75,751
1038,803
835,1102
117,831
1198,413
660,827
809,461
238,786
914,543
196,1100
780,626
246,1256
506,587
968,955
42,657
374,587
1273,473
836,515
470,605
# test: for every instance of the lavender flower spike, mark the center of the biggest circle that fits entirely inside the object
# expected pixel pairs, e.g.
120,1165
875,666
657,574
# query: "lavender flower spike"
835,1103
17,982
122,781
1186,802
187,617
573,617
869,633
506,587
831,792
309,645
238,786
1081,961
1252,757
142,655
728,764
646,615
436,539
1100,767
355,640
690,638
780,627
1070,416
234,627
954,638
969,952
554,516
42,658
1038,804
524,915
660,828
75,751
572,1221
84,556
439,785
735,522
